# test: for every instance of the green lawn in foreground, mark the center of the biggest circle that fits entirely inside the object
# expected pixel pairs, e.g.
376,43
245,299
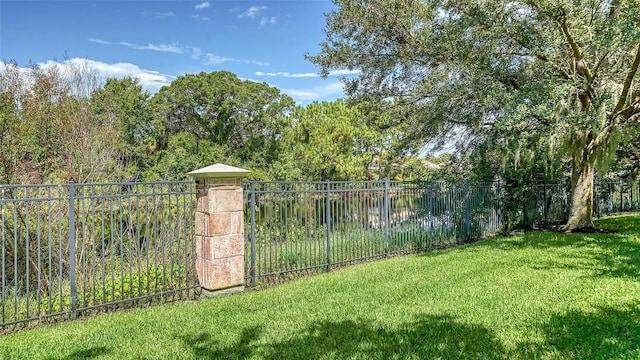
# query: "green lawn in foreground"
535,295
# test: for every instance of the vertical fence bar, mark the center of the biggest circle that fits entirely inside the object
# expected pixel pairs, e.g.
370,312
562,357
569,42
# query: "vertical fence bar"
386,211
430,200
252,270
72,249
39,259
327,216
467,200
596,203
565,205
4,277
621,198
27,249
544,205
499,193
15,254
631,207
610,198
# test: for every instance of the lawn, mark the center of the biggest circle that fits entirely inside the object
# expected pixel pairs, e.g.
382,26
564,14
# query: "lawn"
530,296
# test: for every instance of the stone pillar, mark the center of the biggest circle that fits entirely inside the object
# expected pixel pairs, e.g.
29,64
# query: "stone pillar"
219,227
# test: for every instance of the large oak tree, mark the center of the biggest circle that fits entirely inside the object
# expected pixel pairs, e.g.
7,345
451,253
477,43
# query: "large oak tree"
566,70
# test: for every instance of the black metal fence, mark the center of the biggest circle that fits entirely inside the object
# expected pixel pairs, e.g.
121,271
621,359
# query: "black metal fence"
612,197
541,205
295,228
68,249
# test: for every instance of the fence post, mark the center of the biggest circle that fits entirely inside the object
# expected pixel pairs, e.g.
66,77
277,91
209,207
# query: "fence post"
565,203
72,249
219,231
253,235
386,216
327,212
467,200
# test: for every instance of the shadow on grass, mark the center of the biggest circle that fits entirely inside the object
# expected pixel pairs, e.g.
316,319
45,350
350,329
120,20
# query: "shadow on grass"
427,337
606,333
626,224
85,354
615,253
204,347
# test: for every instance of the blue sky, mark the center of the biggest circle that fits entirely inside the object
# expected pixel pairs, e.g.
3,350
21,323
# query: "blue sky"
160,40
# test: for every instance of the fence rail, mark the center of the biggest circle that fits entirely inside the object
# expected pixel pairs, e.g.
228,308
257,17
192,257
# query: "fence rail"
71,248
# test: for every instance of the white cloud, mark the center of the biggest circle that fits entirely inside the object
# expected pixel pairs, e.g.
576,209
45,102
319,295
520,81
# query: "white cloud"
172,48
212,59
198,17
195,53
150,80
100,41
268,21
256,62
252,12
158,15
204,5
333,90
306,75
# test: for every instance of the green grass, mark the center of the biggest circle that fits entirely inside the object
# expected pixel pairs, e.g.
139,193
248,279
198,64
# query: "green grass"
531,296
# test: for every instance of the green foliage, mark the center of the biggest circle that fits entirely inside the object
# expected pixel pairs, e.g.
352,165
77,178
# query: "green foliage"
185,153
328,140
559,75
242,119
122,105
53,136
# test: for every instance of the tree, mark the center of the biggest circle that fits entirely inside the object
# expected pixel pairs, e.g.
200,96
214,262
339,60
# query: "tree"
627,161
122,106
246,118
47,130
328,141
565,69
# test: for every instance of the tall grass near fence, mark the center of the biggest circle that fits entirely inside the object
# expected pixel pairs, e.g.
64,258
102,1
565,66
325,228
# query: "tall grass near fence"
67,249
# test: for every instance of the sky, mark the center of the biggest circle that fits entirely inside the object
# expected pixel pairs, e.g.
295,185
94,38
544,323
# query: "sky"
157,41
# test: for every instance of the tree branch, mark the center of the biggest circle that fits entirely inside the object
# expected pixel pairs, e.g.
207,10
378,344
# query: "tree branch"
582,68
627,83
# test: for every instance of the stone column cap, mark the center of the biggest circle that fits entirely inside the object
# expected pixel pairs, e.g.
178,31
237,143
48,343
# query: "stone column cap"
219,171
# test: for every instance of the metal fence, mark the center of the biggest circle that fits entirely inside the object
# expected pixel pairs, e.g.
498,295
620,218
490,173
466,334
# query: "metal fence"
294,228
543,205
299,227
68,249
612,197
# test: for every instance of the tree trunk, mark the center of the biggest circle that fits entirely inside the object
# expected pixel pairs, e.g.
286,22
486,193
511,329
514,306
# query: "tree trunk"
581,214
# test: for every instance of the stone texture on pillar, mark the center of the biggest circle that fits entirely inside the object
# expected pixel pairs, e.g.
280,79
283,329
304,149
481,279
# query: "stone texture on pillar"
219,227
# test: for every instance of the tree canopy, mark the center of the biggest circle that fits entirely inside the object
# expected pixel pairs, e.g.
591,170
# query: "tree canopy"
328,140
564,73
